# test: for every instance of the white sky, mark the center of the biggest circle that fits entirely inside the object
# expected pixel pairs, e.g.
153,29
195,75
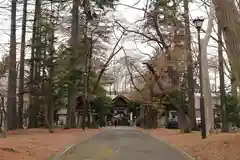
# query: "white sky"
122,12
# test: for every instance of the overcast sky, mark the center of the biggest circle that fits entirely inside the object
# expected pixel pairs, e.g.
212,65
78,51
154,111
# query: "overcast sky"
123,12
129,14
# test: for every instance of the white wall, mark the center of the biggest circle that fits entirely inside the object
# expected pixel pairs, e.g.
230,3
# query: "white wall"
215,100
161,121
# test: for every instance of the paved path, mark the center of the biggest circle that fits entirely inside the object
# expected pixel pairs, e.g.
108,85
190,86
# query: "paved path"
124,143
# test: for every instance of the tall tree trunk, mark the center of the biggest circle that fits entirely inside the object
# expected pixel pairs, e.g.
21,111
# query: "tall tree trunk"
222,86
46,101
22,58
89,90
4,116
32,77
73,43
191,103
86,96
1,118
46,90
50,77
12,76
37,67
70,108
233,84
205,74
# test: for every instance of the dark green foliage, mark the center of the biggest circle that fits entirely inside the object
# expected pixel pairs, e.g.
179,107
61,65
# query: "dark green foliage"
134,107
102,3
165,12
104,106
166,8
233,110
104,103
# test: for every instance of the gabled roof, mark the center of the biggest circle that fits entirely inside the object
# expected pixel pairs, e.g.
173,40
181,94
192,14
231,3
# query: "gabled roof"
120,97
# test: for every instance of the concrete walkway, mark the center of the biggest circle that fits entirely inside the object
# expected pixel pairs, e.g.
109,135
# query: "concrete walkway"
124,143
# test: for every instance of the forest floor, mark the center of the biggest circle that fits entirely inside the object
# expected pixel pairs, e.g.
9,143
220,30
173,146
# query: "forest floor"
38,144
218,146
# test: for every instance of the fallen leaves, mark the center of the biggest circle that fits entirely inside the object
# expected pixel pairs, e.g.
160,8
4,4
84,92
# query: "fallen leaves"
221,146
8,149
38,144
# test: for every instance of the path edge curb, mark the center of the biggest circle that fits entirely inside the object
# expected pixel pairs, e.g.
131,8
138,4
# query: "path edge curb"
62,154
170,145
67,151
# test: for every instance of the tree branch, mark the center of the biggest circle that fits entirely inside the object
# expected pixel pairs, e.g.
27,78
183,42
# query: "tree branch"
131,76
107,63
140,33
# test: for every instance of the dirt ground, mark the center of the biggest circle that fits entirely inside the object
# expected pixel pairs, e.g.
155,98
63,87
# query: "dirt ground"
218,146
38,144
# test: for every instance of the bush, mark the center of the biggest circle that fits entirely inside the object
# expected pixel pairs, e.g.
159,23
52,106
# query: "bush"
233,110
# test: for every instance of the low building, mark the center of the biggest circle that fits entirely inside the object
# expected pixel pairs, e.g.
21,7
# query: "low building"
121,113
62,116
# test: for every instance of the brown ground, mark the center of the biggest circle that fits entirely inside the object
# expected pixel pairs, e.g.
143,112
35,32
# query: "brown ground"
218,146
38,144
